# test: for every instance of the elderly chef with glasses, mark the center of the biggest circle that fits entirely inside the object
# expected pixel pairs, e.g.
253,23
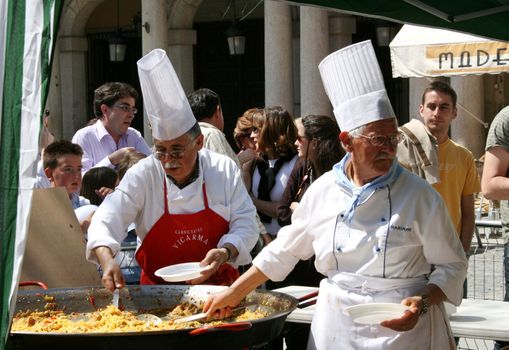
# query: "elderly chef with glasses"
379,233
188,204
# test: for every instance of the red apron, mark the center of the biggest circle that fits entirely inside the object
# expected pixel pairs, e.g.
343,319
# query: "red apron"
180,238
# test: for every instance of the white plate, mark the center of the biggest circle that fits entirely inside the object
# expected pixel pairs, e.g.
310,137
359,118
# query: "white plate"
180,272
374,313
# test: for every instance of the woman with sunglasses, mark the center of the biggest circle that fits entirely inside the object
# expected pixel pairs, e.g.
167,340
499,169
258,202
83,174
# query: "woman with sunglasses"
274,134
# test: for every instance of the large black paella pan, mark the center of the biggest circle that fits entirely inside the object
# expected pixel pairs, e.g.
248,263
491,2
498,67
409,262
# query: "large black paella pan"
136,298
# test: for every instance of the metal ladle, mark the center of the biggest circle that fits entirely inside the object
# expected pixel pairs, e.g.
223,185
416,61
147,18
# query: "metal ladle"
149,318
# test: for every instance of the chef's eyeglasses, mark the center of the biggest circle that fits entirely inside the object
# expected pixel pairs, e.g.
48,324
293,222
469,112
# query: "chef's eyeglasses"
174,153
126,108
381,140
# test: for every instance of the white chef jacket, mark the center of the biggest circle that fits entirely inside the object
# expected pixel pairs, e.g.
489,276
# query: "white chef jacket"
397,233
139,198
98,144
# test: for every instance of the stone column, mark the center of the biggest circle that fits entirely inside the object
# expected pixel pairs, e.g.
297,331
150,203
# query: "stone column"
153,14
314,46
416,87
73,73
278,55
54,101
180,51
466,129
341,28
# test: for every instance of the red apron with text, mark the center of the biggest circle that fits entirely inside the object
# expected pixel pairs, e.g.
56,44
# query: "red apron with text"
181,238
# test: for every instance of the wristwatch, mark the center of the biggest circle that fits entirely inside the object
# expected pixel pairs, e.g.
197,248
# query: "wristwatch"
425,304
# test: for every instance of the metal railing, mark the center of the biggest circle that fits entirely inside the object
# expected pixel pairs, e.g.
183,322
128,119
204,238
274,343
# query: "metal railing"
485,278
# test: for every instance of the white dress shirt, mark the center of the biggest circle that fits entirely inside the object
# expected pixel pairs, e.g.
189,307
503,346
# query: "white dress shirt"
214,140
98,144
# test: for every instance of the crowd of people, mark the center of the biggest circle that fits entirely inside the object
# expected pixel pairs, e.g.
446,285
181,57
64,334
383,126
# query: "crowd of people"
343,203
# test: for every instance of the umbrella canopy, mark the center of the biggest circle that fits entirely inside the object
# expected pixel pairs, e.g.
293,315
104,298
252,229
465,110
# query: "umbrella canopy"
428,52
487,18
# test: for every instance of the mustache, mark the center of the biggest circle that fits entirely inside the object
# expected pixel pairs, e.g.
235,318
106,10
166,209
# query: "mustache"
172,165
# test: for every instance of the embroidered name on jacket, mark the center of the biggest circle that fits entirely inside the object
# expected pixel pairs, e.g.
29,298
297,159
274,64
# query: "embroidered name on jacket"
401,228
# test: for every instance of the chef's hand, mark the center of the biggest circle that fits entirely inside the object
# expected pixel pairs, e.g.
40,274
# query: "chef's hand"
218,306
214,258
117,156
409,318
112,275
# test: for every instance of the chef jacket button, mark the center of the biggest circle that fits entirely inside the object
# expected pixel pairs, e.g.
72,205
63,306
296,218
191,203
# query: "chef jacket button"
382,219
342,215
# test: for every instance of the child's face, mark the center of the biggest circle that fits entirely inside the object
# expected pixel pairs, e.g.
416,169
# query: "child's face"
67,173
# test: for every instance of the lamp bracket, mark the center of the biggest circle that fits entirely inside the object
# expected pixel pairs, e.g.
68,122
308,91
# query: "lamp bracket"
146,25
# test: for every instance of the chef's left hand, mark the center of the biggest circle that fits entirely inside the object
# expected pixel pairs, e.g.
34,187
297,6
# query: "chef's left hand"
214,258
409,318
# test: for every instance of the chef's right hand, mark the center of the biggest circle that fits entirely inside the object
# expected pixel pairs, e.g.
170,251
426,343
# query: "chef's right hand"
218,306
112,275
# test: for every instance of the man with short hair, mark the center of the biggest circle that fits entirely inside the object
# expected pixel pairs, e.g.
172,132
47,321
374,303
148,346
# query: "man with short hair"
189,204
206,107
106,141
458,179
379,233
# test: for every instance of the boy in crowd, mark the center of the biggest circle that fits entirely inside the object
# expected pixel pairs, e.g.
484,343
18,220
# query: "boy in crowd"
62,166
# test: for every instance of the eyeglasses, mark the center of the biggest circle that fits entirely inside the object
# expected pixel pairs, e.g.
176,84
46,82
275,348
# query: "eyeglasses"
173,154
126,108
381,140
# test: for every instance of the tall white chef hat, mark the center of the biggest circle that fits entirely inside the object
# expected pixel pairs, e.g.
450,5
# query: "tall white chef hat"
355,86
165,101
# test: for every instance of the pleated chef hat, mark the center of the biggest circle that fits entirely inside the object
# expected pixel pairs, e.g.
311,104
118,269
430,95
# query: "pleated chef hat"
164,99
355,86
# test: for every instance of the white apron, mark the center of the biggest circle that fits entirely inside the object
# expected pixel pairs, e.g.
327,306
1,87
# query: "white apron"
331,329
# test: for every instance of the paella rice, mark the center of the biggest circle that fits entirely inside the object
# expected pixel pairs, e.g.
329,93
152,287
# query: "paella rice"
112,319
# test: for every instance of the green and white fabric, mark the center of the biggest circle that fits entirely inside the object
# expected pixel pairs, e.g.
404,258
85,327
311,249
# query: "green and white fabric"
27,36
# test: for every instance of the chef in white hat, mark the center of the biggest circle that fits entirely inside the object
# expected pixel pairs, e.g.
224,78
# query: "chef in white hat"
379,233
188,204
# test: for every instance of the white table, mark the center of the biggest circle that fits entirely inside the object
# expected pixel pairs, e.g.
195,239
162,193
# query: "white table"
474,318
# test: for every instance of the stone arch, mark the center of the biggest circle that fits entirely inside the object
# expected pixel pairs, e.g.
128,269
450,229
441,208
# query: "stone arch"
70,90
75,16
181,13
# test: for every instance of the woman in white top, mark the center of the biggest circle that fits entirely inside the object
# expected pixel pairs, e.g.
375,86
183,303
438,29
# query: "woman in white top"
274,134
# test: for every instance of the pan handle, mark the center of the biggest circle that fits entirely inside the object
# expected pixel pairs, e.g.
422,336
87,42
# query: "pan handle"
231,327
307,300
308,296
33,283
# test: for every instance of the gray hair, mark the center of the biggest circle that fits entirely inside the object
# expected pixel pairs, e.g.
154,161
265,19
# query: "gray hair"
357,131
